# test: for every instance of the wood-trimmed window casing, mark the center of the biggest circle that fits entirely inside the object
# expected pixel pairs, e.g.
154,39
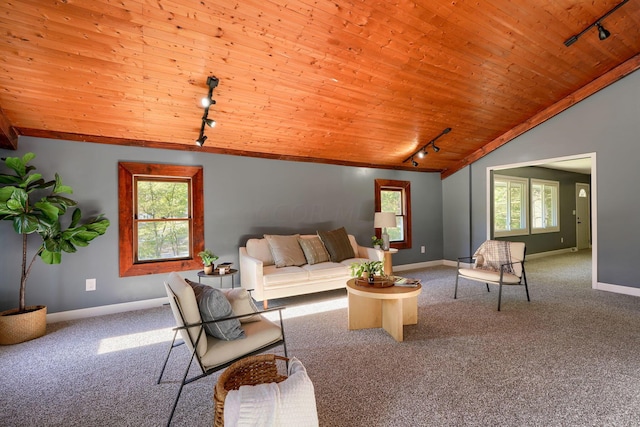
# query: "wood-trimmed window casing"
126,173
405,187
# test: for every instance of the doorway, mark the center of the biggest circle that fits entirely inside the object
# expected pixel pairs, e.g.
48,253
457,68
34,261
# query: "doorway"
583,216
581,163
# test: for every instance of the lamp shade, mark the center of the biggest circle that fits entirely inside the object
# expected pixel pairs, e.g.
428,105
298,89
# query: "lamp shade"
384,220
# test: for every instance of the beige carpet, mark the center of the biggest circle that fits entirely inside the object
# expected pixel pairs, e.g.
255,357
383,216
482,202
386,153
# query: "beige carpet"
567,358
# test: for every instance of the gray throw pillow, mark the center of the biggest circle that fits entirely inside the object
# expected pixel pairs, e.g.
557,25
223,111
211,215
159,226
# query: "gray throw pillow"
337,244
214,305
314,250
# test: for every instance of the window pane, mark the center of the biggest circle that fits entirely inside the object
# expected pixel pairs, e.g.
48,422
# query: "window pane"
391,201
397,233
515,195
500,206
162,199
163,240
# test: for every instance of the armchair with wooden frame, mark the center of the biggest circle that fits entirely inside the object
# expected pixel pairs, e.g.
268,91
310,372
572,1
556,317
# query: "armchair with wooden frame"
496,262
214,354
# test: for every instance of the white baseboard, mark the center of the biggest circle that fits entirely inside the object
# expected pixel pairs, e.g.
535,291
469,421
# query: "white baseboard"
416,266
105,309
550,253
617,289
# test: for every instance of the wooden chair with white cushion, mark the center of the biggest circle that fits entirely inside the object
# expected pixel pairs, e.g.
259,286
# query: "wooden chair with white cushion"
497,262
213,354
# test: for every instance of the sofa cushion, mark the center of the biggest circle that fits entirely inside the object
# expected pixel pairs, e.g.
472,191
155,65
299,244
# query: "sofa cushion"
286,250
314,250
213,305
326,270
284,275
260,249
337,244
242,303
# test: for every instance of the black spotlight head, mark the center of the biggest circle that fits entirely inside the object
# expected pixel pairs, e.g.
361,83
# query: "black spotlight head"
602,32
200,141
436,149
210,122
414,163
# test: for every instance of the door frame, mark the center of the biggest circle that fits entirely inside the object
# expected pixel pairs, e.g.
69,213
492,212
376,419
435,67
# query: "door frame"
594,201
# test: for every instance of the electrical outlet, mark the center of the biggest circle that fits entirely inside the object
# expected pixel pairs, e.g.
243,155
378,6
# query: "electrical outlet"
562,240
91,284
422,249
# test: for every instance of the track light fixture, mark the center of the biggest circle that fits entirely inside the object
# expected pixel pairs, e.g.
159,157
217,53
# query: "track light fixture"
207,102
422,152
602,32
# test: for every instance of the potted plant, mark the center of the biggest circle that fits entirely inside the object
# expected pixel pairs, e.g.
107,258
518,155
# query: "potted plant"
41,217
367,269
377,243
207,257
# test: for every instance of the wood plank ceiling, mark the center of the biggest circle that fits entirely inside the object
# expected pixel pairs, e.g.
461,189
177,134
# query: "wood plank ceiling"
349,82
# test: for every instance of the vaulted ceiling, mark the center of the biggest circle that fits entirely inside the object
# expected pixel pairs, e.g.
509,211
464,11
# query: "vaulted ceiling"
349,82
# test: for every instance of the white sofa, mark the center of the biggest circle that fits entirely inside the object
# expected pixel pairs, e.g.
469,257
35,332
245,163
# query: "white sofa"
259,272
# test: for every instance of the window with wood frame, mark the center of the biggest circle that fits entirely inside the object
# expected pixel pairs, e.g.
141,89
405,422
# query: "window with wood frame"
161,218
395,196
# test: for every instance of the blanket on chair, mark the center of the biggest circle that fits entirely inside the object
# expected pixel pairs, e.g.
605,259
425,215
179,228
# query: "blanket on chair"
492,254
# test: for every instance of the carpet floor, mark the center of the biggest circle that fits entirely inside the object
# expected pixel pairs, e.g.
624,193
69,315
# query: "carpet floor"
567,358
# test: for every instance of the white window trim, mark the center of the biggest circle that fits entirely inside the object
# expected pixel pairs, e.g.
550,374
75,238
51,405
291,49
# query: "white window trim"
525,206
553,228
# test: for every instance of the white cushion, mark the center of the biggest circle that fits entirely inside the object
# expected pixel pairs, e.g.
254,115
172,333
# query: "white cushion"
258,334
241,303
259,249
326,270
283,275
176,285
488,276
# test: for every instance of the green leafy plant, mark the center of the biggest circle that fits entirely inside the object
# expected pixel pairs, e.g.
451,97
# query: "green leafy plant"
18,204
208,257
376,242
372,268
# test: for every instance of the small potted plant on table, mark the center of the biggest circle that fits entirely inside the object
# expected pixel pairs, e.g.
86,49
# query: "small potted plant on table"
207,257
377,243
367,270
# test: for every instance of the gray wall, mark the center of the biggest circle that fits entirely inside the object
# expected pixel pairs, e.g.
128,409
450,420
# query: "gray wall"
244,197
608,124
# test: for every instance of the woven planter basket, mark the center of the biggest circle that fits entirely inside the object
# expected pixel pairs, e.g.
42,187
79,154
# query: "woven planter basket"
17,328
252,370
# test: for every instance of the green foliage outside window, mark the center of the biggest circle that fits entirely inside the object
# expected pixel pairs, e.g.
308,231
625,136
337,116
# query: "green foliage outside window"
391,201
163,219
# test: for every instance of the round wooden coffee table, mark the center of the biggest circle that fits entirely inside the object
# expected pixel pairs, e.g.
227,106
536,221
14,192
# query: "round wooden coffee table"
388,308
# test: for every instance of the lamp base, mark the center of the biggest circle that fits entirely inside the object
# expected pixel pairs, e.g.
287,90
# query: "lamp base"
385,241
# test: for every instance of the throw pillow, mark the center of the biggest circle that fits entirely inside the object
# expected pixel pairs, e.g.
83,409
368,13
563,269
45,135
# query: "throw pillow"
337,244
242,303
285,250
214,305
314,250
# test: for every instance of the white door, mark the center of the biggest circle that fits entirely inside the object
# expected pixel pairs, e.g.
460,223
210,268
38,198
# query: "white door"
583,216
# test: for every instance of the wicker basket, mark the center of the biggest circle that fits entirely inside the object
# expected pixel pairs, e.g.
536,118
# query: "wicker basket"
252,370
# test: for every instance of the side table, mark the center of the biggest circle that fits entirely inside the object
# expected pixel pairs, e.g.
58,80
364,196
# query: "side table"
232,272
388,263
388,308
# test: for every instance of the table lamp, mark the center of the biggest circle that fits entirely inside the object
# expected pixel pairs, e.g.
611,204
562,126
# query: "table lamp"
384,220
